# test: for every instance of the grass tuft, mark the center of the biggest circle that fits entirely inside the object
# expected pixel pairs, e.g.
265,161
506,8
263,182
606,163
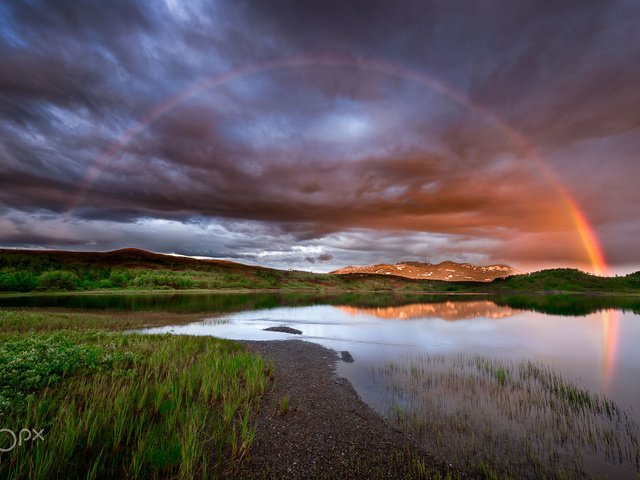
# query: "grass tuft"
283,405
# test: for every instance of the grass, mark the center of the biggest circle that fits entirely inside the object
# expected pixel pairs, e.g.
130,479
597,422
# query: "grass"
27,321
428,471
283,405
501,419
119,405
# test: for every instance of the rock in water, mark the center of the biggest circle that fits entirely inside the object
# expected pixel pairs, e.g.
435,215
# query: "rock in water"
346,357
284,330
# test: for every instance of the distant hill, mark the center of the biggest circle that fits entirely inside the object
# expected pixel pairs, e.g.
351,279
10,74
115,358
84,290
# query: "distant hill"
566,279
132,269
123,258
43,270
445,271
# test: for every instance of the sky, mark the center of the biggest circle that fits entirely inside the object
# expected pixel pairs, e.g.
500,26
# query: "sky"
312,135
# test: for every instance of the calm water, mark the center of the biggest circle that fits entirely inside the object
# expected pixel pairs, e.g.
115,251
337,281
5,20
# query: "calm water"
591,340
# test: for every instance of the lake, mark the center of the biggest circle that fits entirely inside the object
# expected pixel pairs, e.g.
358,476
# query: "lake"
591,341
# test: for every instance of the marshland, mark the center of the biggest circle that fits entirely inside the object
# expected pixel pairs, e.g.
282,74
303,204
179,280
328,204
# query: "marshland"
505,419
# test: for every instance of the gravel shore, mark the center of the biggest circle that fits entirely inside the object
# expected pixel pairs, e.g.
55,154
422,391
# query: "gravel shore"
327,430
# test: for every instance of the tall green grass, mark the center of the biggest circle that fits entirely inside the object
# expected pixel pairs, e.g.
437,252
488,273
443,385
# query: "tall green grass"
28,321
117,405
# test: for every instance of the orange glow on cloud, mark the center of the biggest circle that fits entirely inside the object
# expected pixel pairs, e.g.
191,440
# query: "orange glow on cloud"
582,226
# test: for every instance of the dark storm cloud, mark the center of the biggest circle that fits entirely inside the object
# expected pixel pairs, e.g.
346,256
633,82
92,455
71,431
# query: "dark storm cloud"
579,58
64,53
315,155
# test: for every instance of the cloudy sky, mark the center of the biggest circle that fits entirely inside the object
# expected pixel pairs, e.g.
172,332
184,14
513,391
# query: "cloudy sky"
316,134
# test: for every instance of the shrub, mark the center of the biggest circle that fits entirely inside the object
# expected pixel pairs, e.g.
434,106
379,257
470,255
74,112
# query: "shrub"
58,279
119,278
17,280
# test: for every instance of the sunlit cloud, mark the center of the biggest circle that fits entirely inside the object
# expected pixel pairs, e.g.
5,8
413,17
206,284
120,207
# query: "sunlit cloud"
318,166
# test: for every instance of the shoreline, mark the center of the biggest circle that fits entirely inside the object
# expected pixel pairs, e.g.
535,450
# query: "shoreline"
327,291
326,429
220,291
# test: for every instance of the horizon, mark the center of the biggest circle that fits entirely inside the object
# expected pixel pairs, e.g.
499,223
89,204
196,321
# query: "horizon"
273,134
249,263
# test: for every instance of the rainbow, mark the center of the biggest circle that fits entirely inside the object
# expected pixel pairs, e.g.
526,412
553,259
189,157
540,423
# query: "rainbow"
585,231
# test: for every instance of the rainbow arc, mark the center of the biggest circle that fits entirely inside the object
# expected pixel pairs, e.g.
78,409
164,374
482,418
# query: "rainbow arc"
584,230
586,233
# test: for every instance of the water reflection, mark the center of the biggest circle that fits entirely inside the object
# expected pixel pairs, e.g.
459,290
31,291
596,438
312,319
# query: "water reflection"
445,310
610,333
387,305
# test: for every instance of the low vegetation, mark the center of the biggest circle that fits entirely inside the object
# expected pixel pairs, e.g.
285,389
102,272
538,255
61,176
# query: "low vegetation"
29,321
484,413
118,405
23,271
567,280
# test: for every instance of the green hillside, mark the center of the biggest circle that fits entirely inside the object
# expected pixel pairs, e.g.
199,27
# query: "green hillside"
33,271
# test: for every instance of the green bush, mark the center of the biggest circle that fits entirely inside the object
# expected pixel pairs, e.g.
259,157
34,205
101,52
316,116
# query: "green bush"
17,280
119,278
162,280
58,279
30,364
104,283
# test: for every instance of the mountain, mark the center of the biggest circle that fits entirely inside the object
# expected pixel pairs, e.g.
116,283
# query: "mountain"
447,271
